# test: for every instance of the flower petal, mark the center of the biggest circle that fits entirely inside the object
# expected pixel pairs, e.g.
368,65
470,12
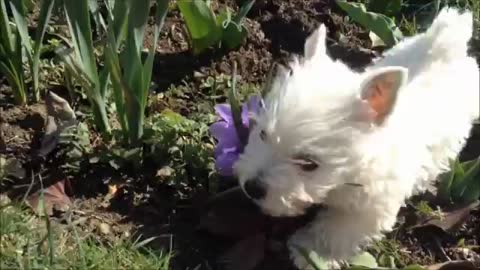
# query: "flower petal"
218,129
225,112
222,131
252,106
225,162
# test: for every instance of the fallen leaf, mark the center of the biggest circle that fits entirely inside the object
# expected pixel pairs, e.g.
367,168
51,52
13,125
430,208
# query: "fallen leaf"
54,198
58,107
451,219
246,254
60,117
452,265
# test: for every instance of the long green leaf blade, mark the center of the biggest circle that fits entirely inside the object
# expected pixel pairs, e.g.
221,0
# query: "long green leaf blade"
78,18
19,17
80,27
201,23
6,37
46,7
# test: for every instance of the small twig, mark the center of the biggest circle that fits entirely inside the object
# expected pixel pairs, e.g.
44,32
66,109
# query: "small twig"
440,248
24,199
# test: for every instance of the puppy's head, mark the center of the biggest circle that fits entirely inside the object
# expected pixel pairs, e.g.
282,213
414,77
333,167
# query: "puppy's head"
305,141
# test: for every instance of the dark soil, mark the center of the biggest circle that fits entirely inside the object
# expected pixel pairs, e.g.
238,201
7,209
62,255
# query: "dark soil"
277,30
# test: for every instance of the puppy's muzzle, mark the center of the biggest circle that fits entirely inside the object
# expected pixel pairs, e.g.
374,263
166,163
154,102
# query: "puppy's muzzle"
255,189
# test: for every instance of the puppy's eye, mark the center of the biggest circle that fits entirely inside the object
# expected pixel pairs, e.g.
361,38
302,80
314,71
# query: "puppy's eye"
306,164
263,135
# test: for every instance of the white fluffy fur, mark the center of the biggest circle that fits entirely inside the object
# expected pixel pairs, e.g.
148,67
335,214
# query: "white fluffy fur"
315,108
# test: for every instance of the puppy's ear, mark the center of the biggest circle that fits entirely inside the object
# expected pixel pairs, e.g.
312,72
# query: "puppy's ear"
379,91
315,45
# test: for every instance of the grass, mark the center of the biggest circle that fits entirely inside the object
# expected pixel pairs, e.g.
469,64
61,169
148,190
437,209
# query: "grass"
24,245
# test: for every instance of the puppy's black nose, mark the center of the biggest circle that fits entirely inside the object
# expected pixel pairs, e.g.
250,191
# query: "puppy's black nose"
255,188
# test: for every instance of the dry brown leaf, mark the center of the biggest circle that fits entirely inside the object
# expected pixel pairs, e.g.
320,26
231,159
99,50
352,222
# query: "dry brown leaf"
452,265
451,219
60,116
54,197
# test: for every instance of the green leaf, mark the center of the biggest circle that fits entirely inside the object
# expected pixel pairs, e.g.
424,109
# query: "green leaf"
78,19
383,26
244,9
234,35
364,259
19,16
457,186
389,8
7,40
32,53
131,77
11,56
471,189
201,23
313,259
120,20
97,17
446,181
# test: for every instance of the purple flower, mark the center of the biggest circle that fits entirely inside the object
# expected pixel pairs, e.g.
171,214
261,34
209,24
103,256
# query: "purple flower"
229,145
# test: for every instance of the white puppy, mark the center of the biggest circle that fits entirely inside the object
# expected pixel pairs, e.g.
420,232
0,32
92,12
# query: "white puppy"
361,143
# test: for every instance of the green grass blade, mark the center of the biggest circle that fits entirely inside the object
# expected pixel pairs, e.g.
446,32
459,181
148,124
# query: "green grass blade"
162,9
137,21
6,37
46,7
78,19
133,76
17,66
16,57
471,189
119,87
15,80
97,17
244,9
133,68
120,20
19,16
